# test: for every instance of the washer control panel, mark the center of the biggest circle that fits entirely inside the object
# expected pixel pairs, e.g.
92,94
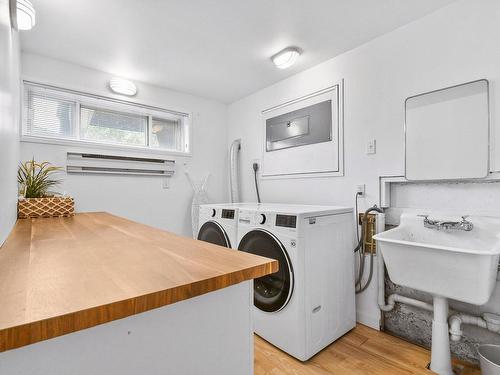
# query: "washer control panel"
287,221
267,219
227,214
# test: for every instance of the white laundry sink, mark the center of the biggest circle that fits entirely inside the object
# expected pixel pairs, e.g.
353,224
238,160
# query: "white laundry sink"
449,263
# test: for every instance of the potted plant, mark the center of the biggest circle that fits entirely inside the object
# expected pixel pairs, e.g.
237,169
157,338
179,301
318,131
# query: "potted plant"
36,198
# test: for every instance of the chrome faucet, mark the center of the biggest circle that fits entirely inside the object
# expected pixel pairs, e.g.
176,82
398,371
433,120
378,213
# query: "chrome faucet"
448,225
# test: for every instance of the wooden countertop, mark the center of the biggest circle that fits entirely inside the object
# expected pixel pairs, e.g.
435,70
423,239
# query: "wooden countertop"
61,275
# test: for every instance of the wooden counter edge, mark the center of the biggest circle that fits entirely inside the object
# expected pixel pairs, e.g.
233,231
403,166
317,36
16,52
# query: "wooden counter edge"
26,334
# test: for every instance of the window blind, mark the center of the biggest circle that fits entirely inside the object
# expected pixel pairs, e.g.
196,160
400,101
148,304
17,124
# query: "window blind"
49,116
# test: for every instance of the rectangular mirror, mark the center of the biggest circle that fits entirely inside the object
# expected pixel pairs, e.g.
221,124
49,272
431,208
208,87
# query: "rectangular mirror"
447,133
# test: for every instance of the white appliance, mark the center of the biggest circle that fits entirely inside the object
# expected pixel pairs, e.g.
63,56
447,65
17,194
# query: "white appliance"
310,301
218,224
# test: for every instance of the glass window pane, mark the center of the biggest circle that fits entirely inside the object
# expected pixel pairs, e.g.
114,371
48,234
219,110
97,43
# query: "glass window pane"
167,134
49,116
113,127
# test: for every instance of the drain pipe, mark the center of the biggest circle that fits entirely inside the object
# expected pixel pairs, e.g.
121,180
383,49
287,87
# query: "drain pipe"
489,321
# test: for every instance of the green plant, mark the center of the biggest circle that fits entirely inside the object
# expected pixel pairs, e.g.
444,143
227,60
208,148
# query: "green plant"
35,179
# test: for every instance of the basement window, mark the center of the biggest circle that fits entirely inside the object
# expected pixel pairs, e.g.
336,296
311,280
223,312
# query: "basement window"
54,115
113,127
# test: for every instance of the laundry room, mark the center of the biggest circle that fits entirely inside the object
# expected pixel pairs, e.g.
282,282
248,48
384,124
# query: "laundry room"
309,186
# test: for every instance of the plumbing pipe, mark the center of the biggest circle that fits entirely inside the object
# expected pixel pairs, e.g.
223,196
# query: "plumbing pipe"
233,171
381,285
393,298
489,321
440,348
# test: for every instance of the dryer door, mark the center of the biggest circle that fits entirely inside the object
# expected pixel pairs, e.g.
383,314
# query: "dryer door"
271,292
213,232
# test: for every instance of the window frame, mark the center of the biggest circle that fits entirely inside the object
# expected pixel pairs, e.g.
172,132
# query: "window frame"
106,103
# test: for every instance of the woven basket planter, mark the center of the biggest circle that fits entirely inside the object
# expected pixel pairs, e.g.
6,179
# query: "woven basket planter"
45,207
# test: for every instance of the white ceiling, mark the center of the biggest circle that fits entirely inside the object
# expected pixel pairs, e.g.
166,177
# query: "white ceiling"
217,49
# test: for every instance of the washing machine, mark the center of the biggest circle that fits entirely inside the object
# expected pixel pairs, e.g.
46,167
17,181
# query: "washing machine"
218,224
310,301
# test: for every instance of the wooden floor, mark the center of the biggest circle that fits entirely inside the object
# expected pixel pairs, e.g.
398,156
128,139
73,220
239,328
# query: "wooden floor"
361,351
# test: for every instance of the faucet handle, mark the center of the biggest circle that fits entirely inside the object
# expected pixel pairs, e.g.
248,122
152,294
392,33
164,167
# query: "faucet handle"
464,217
425,216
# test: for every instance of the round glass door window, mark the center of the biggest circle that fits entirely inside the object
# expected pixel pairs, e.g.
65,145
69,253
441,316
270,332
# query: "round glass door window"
271,292
212,232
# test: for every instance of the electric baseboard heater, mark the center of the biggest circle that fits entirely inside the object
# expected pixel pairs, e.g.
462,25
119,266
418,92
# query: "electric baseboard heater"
94,163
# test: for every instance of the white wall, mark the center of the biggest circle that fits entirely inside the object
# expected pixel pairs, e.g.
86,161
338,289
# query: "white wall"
138,198
9,115
453,45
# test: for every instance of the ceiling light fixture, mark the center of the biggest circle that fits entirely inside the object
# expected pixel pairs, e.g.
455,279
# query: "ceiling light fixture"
22,14
286,58
122,86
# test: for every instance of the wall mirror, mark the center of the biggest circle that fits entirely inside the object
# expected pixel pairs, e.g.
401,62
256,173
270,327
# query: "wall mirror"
447,133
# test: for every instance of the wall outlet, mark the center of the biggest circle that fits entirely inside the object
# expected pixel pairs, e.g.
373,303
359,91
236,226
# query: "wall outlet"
256,161
361,188
166,183
371,147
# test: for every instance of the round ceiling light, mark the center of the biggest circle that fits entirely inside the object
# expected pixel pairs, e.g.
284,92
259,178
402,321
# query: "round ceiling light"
22,14
286,58
122,86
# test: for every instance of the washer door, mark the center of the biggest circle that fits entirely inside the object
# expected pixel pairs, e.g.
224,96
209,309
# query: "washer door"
271,292
213,232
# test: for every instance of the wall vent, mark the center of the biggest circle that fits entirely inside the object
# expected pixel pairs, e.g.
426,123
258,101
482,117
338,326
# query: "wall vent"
94,163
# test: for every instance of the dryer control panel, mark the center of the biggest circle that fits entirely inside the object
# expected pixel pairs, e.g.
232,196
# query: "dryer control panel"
268,219
287,221
227,214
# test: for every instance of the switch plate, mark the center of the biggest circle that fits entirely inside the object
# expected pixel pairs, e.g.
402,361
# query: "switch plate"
371,147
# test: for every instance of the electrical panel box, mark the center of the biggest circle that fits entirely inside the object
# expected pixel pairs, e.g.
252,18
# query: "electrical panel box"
309,125
304,137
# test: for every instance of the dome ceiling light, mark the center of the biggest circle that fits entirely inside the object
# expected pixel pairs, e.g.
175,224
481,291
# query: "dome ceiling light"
22,15
286,58
122,86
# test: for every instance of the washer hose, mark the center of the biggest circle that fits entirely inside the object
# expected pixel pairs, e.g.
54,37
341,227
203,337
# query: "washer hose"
360,248
255,169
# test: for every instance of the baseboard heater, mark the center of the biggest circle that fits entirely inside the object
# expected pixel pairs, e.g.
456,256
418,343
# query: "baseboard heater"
93,163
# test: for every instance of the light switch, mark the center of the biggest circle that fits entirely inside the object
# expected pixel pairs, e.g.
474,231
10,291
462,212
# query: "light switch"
371,147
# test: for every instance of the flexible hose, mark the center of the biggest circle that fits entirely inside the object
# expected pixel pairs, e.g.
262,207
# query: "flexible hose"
233,171
255,169
360,248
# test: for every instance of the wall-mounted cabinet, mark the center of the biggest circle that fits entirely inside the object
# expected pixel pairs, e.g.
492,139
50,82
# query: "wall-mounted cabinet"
447,133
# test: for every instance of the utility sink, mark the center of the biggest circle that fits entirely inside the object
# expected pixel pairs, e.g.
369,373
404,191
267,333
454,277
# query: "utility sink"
448,259
456,264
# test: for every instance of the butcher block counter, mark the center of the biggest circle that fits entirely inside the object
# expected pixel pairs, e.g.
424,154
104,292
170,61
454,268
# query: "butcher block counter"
63,275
